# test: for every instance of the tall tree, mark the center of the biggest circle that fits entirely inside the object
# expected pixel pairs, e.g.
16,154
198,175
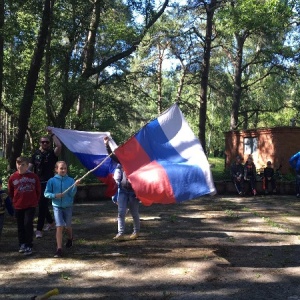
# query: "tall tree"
31,81
258,36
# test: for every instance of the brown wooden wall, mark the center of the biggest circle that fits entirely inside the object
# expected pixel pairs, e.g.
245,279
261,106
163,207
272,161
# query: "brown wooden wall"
276,144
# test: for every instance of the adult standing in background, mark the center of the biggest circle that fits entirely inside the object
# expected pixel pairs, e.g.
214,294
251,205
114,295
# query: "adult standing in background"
43,164
295,164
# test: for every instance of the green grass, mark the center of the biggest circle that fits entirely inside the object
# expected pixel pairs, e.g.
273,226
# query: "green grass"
218,168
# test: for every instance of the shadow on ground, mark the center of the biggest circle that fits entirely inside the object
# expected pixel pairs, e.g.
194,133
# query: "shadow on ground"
209,248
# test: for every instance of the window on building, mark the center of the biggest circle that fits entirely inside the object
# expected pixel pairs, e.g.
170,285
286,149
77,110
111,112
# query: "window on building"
250,145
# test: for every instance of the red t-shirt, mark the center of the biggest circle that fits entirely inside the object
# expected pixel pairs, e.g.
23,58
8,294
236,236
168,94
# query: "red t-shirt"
24,189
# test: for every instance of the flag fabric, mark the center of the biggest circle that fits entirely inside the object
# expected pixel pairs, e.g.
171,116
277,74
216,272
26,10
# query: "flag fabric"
165,162
89,148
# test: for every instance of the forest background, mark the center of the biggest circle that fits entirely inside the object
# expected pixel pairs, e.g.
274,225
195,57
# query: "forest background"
113,65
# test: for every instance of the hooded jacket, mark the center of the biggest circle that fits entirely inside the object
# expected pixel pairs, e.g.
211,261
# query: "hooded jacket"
58,184
295,162
24,190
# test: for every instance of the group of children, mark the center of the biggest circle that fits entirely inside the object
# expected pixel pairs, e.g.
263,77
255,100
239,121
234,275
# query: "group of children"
243,174
24,189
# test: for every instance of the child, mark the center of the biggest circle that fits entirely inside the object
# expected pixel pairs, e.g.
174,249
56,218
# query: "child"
269,177
250,174
237,171
58,189
24,188
4,203
125,198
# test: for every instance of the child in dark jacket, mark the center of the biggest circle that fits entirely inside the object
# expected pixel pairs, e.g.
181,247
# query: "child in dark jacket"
250,174
61,189
5,203
269,178
237,175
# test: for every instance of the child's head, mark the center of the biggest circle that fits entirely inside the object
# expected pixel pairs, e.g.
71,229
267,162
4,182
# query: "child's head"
22,164
61,168
269,164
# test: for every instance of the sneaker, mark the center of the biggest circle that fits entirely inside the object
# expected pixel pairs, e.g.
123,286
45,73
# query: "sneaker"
69,243
28,251
119,237
58,253
240,193
49,227
254,192
298,196
38,234
134,236
22,248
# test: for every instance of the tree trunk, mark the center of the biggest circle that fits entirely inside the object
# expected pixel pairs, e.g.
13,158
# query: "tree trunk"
31,81
210,9
89,70
159,78
237,90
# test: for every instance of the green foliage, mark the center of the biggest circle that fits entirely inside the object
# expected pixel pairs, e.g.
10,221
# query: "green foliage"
218,168
121,95
77,171
4,173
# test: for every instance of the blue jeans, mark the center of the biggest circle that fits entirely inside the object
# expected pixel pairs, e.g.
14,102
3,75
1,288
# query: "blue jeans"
128,199
63,216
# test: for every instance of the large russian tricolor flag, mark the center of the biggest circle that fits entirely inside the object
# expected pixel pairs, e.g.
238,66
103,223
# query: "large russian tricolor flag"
89,148
165,162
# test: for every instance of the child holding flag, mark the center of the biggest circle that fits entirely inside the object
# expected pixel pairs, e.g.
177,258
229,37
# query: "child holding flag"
61,189
125,198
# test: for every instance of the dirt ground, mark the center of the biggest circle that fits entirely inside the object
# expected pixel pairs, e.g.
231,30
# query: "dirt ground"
221,247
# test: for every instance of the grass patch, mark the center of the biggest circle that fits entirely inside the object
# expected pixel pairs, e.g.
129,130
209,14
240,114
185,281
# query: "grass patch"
218,168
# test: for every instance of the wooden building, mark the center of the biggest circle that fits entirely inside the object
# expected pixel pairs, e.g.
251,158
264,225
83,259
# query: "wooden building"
276,144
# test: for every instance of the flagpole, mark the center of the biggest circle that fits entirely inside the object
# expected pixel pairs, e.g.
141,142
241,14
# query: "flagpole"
87,173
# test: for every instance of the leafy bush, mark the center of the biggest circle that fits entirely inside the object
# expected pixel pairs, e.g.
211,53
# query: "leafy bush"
77,171
4,172
218,168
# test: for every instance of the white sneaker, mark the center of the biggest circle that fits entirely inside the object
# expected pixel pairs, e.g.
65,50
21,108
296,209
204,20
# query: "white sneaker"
119,237
38,234
49,227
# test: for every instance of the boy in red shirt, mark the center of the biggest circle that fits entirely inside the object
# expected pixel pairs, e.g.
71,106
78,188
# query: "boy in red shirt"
24,189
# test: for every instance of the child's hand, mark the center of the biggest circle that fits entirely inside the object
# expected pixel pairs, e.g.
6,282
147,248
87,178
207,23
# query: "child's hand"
77,182
106,139
59,195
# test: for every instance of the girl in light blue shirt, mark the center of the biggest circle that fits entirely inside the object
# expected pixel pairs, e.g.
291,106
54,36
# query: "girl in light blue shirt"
61,189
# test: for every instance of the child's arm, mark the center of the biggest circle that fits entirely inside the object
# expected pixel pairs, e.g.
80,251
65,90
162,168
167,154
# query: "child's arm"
49,193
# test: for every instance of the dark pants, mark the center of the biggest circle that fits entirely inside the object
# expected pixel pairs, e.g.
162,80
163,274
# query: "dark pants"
1,224
266,182
298,184
251,181
25,225
239,185
44,212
